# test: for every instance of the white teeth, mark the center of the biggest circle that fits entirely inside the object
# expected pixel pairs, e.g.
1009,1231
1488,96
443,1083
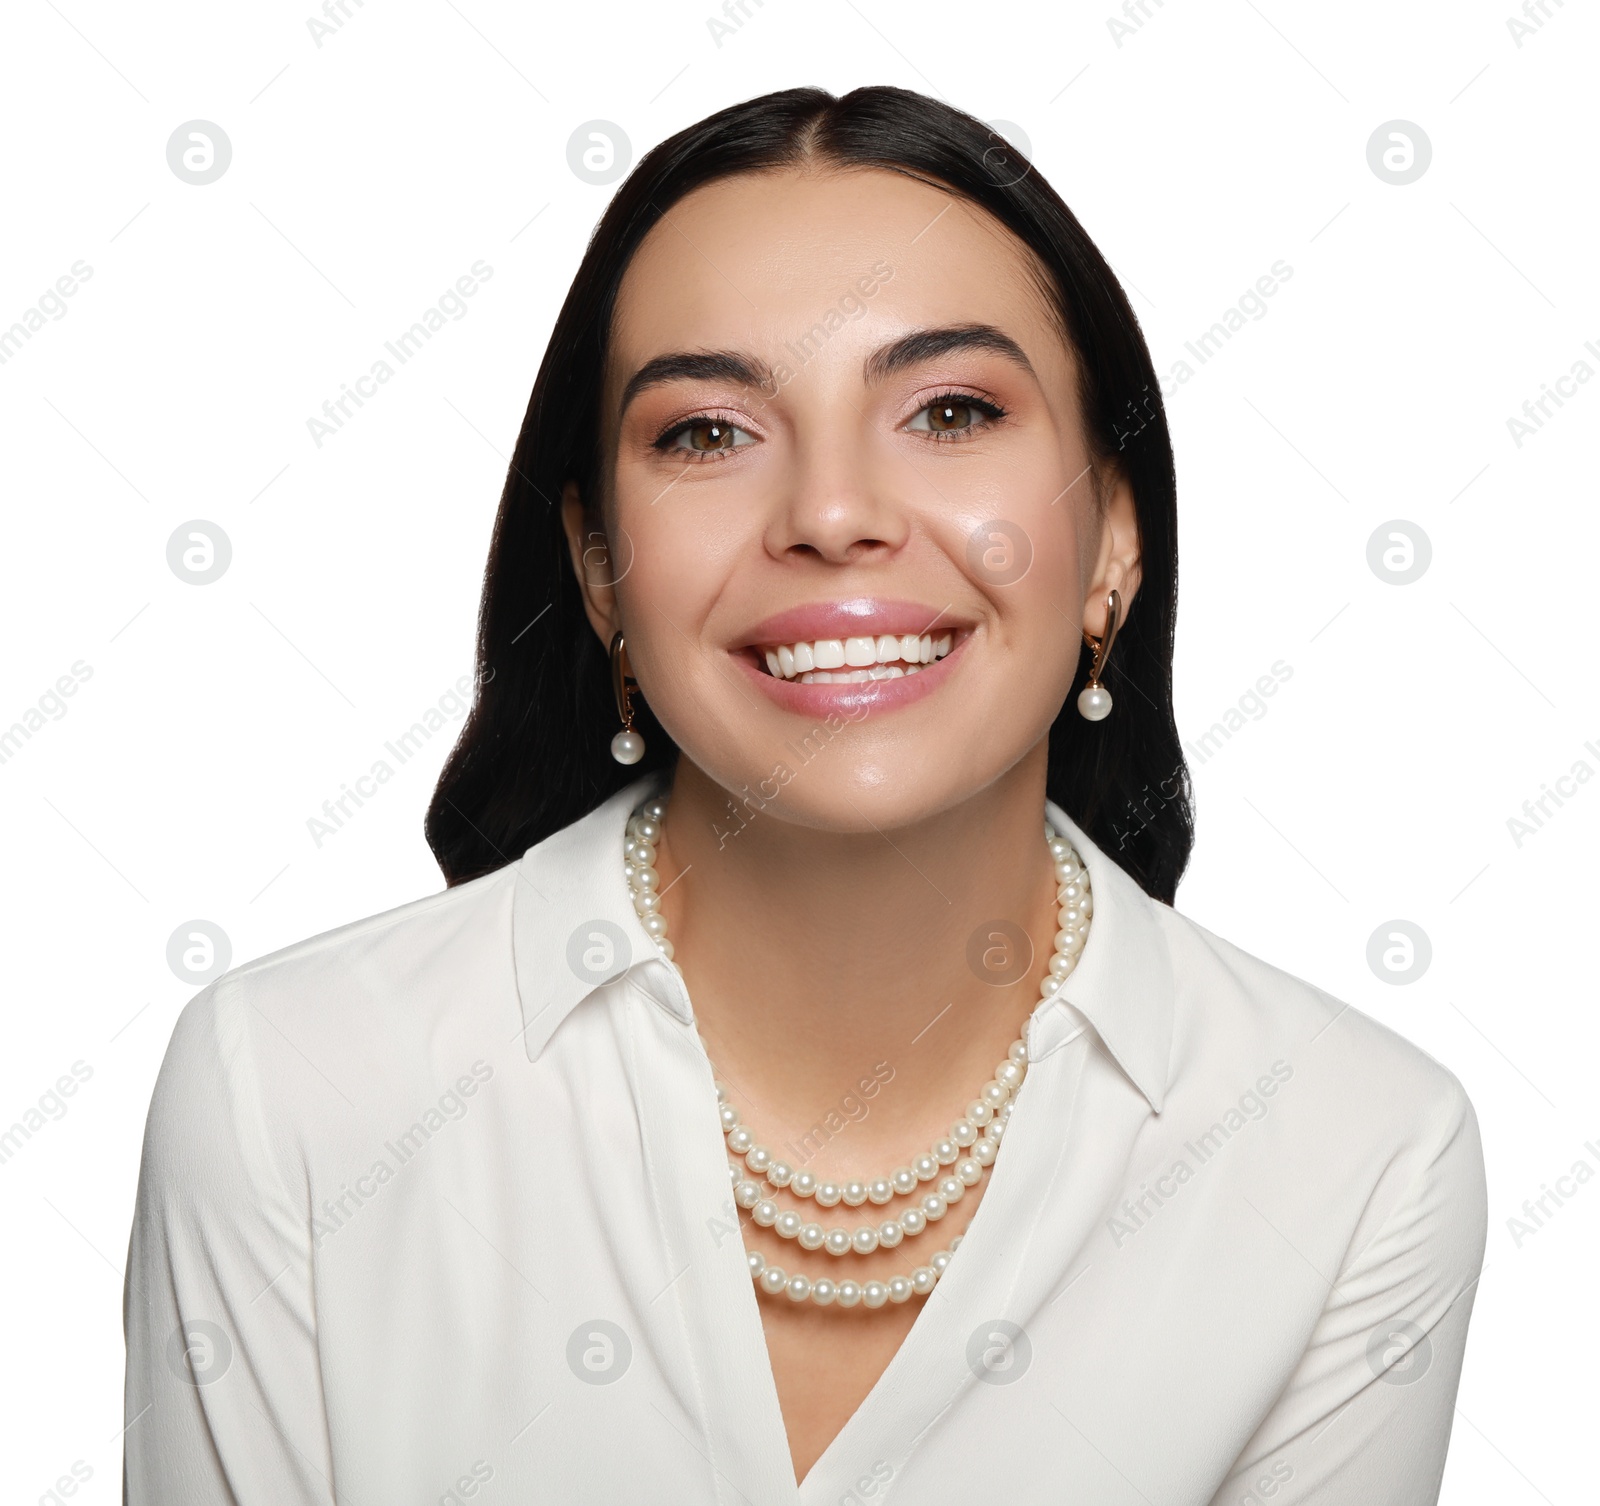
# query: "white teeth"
885,657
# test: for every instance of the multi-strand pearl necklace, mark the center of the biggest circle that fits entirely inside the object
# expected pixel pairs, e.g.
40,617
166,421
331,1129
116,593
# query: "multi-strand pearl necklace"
968,1150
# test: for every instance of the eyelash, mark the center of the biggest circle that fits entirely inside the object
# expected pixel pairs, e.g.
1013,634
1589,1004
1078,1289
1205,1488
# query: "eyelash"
992,413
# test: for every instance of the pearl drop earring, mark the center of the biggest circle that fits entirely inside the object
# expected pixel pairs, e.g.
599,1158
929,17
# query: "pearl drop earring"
627,746
1094,700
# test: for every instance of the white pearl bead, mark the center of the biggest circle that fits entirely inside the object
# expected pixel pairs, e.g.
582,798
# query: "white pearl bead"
849,1293
773,1279
1008,1073
828,1194
913,1221
756,1261
924,1279
646,902
900,1288
865,1240
926,1167
837,1242
1094,703
855,1193
758,1158
654,810
823,1291
983,1151
1018,1052
955,1244
945,1151
627,747
881,1189
934,1206
993,1093
740,1140
939,1261
789,1223
963,1132
780,1173
978,1112
874,1294
722,1091
803,1183
654,925
765,1213
952,1189
747,1194
643,854
904,1180
811,1236
890,1233
798,1288
729,1116
648,830
970,1172
646,878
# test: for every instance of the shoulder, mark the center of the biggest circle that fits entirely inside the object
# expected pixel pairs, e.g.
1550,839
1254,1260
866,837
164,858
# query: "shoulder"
1360,1101
280,1052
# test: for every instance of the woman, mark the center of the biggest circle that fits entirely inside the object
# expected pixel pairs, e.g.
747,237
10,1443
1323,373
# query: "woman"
804,1090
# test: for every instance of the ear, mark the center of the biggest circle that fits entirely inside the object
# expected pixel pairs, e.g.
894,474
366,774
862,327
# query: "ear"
1117,559
591,563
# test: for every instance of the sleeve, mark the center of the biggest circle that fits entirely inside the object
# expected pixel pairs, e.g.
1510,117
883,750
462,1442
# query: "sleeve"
1365,1417
223,1394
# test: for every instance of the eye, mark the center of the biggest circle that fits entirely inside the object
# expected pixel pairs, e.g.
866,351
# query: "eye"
955,415
703,437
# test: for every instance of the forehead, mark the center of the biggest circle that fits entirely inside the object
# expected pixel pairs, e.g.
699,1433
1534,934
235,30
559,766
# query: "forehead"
747,261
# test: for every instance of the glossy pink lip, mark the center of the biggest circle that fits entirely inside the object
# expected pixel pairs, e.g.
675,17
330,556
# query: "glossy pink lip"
858,699
861,617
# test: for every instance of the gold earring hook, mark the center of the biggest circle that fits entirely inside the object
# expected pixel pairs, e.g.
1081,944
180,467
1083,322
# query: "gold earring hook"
1102,644
622,681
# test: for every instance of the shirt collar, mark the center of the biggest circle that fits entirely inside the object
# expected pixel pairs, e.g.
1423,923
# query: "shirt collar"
575,930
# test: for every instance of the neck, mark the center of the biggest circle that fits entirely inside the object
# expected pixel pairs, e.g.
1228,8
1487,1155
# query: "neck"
819,961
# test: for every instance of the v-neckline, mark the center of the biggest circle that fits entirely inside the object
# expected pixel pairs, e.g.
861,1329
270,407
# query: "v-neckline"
979,1270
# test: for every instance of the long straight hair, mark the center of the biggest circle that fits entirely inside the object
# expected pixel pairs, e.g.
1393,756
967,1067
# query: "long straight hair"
534,753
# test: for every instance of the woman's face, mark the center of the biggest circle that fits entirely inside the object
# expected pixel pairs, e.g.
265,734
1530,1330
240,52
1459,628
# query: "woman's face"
844,441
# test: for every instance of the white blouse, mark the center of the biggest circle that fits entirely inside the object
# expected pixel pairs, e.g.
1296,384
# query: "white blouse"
435,1207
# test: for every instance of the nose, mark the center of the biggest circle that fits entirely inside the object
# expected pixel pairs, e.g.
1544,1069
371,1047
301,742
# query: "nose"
840,501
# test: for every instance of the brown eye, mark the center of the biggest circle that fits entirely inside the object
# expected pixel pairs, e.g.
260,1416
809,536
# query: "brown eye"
705,436
710,437
949,415
954,414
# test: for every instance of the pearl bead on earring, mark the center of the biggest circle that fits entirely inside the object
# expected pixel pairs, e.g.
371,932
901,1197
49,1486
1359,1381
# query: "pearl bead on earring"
1094,700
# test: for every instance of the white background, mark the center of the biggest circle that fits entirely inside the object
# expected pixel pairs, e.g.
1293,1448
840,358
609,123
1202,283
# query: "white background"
370,172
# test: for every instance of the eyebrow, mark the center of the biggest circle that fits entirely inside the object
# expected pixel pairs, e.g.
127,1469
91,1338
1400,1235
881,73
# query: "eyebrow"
747,370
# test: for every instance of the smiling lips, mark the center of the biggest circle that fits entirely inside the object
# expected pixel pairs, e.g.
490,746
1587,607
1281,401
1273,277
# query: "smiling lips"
854,660
853,647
